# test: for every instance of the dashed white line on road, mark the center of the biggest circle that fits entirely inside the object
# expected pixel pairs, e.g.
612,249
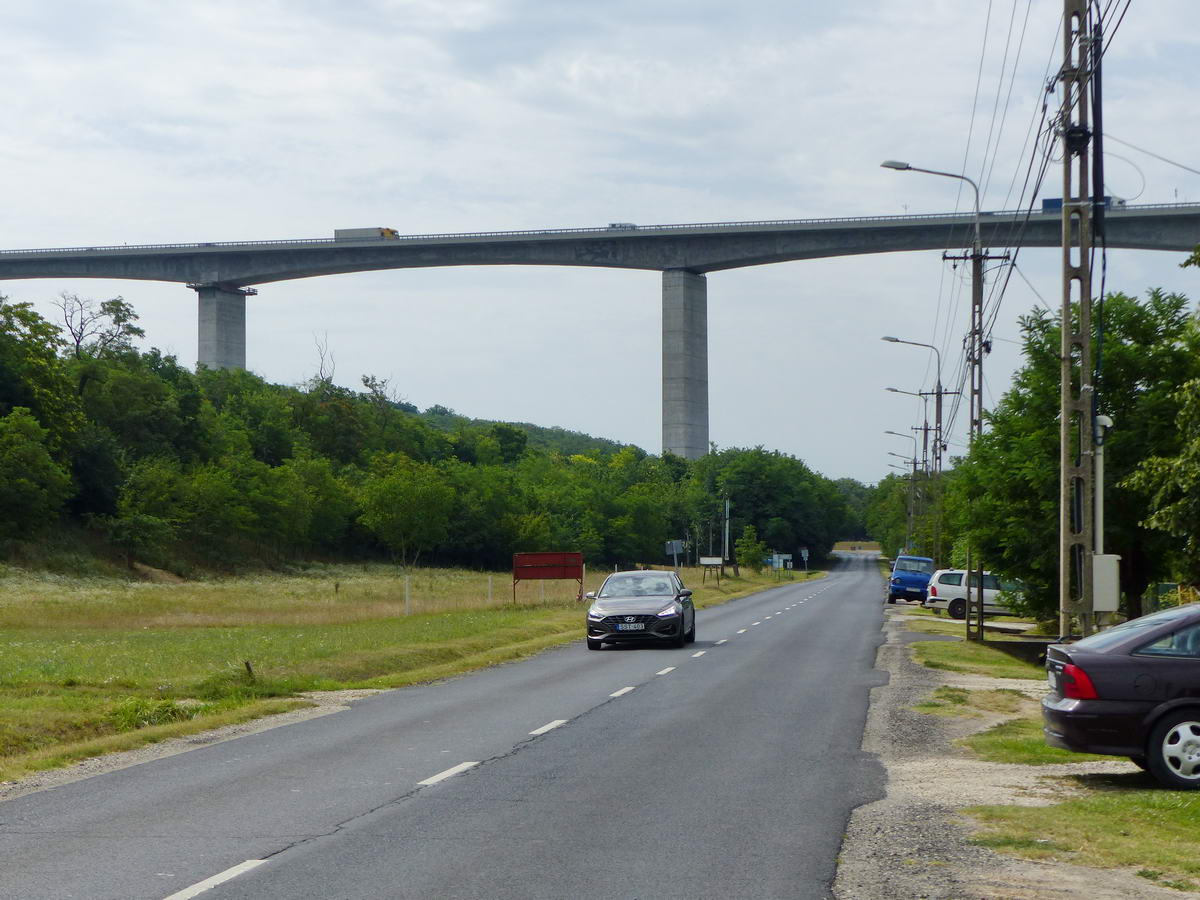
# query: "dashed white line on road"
698,653
549,726
667,671
769,617
741,631
752,624
449,773
220,878
721,641
622,692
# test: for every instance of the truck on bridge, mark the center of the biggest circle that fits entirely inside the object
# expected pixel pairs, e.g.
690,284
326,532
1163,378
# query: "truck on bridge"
365,234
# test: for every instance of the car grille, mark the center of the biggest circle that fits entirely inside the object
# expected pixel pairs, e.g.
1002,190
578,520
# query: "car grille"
617,620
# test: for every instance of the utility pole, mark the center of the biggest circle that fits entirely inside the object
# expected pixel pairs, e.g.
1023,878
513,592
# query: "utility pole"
1081,48
976,347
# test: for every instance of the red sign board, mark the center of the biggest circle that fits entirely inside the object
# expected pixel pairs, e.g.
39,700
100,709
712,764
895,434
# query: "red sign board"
529,566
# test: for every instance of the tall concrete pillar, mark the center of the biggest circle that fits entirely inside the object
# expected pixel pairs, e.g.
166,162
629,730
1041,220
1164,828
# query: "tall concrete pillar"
222,325
685,363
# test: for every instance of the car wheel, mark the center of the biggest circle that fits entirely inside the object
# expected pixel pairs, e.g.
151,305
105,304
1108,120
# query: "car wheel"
680,639
1173,752
690,637
957,608
891,599
594,645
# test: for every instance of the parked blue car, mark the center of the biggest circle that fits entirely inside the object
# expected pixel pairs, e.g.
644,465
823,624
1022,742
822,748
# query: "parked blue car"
910,578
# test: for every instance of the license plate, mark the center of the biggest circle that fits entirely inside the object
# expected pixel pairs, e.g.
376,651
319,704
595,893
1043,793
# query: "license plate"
631,626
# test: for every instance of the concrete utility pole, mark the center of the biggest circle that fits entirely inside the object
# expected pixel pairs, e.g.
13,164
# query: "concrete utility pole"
1081,48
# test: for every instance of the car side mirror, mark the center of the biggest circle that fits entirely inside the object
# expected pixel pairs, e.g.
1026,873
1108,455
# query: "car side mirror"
590,595
685,593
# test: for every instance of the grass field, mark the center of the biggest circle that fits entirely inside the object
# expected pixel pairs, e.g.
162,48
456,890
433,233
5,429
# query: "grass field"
1121,821
90,665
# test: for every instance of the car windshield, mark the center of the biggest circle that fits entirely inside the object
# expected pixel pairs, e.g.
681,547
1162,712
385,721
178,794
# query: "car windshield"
914,565
640,584
1102,640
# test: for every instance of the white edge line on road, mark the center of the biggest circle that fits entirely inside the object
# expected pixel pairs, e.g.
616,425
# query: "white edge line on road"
721,641
741,631
698,654
449,773
549,726
622,692
220,878
667,671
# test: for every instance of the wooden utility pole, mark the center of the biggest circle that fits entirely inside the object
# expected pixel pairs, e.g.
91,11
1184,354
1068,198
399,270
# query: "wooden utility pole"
1081,49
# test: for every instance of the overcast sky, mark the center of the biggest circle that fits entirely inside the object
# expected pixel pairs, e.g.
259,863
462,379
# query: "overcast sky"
135,121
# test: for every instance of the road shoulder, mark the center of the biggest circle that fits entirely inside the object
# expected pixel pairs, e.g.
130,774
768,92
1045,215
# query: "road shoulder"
915,842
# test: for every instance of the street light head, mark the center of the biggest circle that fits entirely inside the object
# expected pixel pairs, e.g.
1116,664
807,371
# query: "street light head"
888,337
894,390
895,164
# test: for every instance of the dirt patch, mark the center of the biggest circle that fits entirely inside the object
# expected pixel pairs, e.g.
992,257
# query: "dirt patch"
915,842
323,703
157,576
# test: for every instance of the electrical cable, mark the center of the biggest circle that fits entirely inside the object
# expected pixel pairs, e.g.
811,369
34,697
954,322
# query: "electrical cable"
1150,153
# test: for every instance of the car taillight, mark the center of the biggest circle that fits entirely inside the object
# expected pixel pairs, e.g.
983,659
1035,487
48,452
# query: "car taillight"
932,591
1076,684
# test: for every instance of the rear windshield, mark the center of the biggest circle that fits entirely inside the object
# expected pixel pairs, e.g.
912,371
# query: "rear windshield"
912,564
1118,634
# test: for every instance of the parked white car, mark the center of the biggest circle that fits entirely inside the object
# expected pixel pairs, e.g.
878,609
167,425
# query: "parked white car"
948,591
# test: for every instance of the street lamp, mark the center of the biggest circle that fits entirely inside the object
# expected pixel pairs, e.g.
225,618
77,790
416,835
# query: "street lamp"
975,607
937,406
906,167
924,395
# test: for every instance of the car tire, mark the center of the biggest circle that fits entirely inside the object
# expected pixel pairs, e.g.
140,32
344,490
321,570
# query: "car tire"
680,639
594,645
1173,751
957,608
891,599
690,637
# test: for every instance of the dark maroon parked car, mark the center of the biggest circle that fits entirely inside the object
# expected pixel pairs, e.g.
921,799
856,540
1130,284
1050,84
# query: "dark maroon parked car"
1132,690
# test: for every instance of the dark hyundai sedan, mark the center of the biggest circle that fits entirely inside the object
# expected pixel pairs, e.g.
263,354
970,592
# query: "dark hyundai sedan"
1132,690
641,606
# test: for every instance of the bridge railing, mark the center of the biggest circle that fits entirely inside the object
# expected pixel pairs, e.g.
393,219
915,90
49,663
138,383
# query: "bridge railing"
633,231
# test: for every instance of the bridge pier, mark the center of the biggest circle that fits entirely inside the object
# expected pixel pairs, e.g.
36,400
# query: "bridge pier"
685,363
222,343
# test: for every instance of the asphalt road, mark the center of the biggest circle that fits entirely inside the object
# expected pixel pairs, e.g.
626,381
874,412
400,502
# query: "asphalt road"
725,769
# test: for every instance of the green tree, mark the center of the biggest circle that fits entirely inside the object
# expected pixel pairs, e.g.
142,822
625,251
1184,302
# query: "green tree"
407,506
32,375
1005,493
750,550
1172,484
103,329
33,487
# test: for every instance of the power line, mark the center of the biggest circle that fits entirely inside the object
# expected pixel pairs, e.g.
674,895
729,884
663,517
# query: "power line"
1172,162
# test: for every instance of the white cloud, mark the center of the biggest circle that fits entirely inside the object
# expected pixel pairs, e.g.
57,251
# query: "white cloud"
140,122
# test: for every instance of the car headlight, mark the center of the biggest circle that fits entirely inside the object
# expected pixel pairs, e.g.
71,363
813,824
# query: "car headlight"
671,610
595,615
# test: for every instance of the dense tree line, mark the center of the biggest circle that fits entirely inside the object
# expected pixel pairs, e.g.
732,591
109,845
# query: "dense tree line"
177,468
1002,498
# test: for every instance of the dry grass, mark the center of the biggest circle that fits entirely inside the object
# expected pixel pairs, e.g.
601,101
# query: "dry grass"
77,654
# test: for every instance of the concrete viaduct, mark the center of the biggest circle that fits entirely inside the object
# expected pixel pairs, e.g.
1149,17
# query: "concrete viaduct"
222,274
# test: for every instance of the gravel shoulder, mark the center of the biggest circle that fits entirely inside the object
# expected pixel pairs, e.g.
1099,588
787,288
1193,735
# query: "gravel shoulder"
914,843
